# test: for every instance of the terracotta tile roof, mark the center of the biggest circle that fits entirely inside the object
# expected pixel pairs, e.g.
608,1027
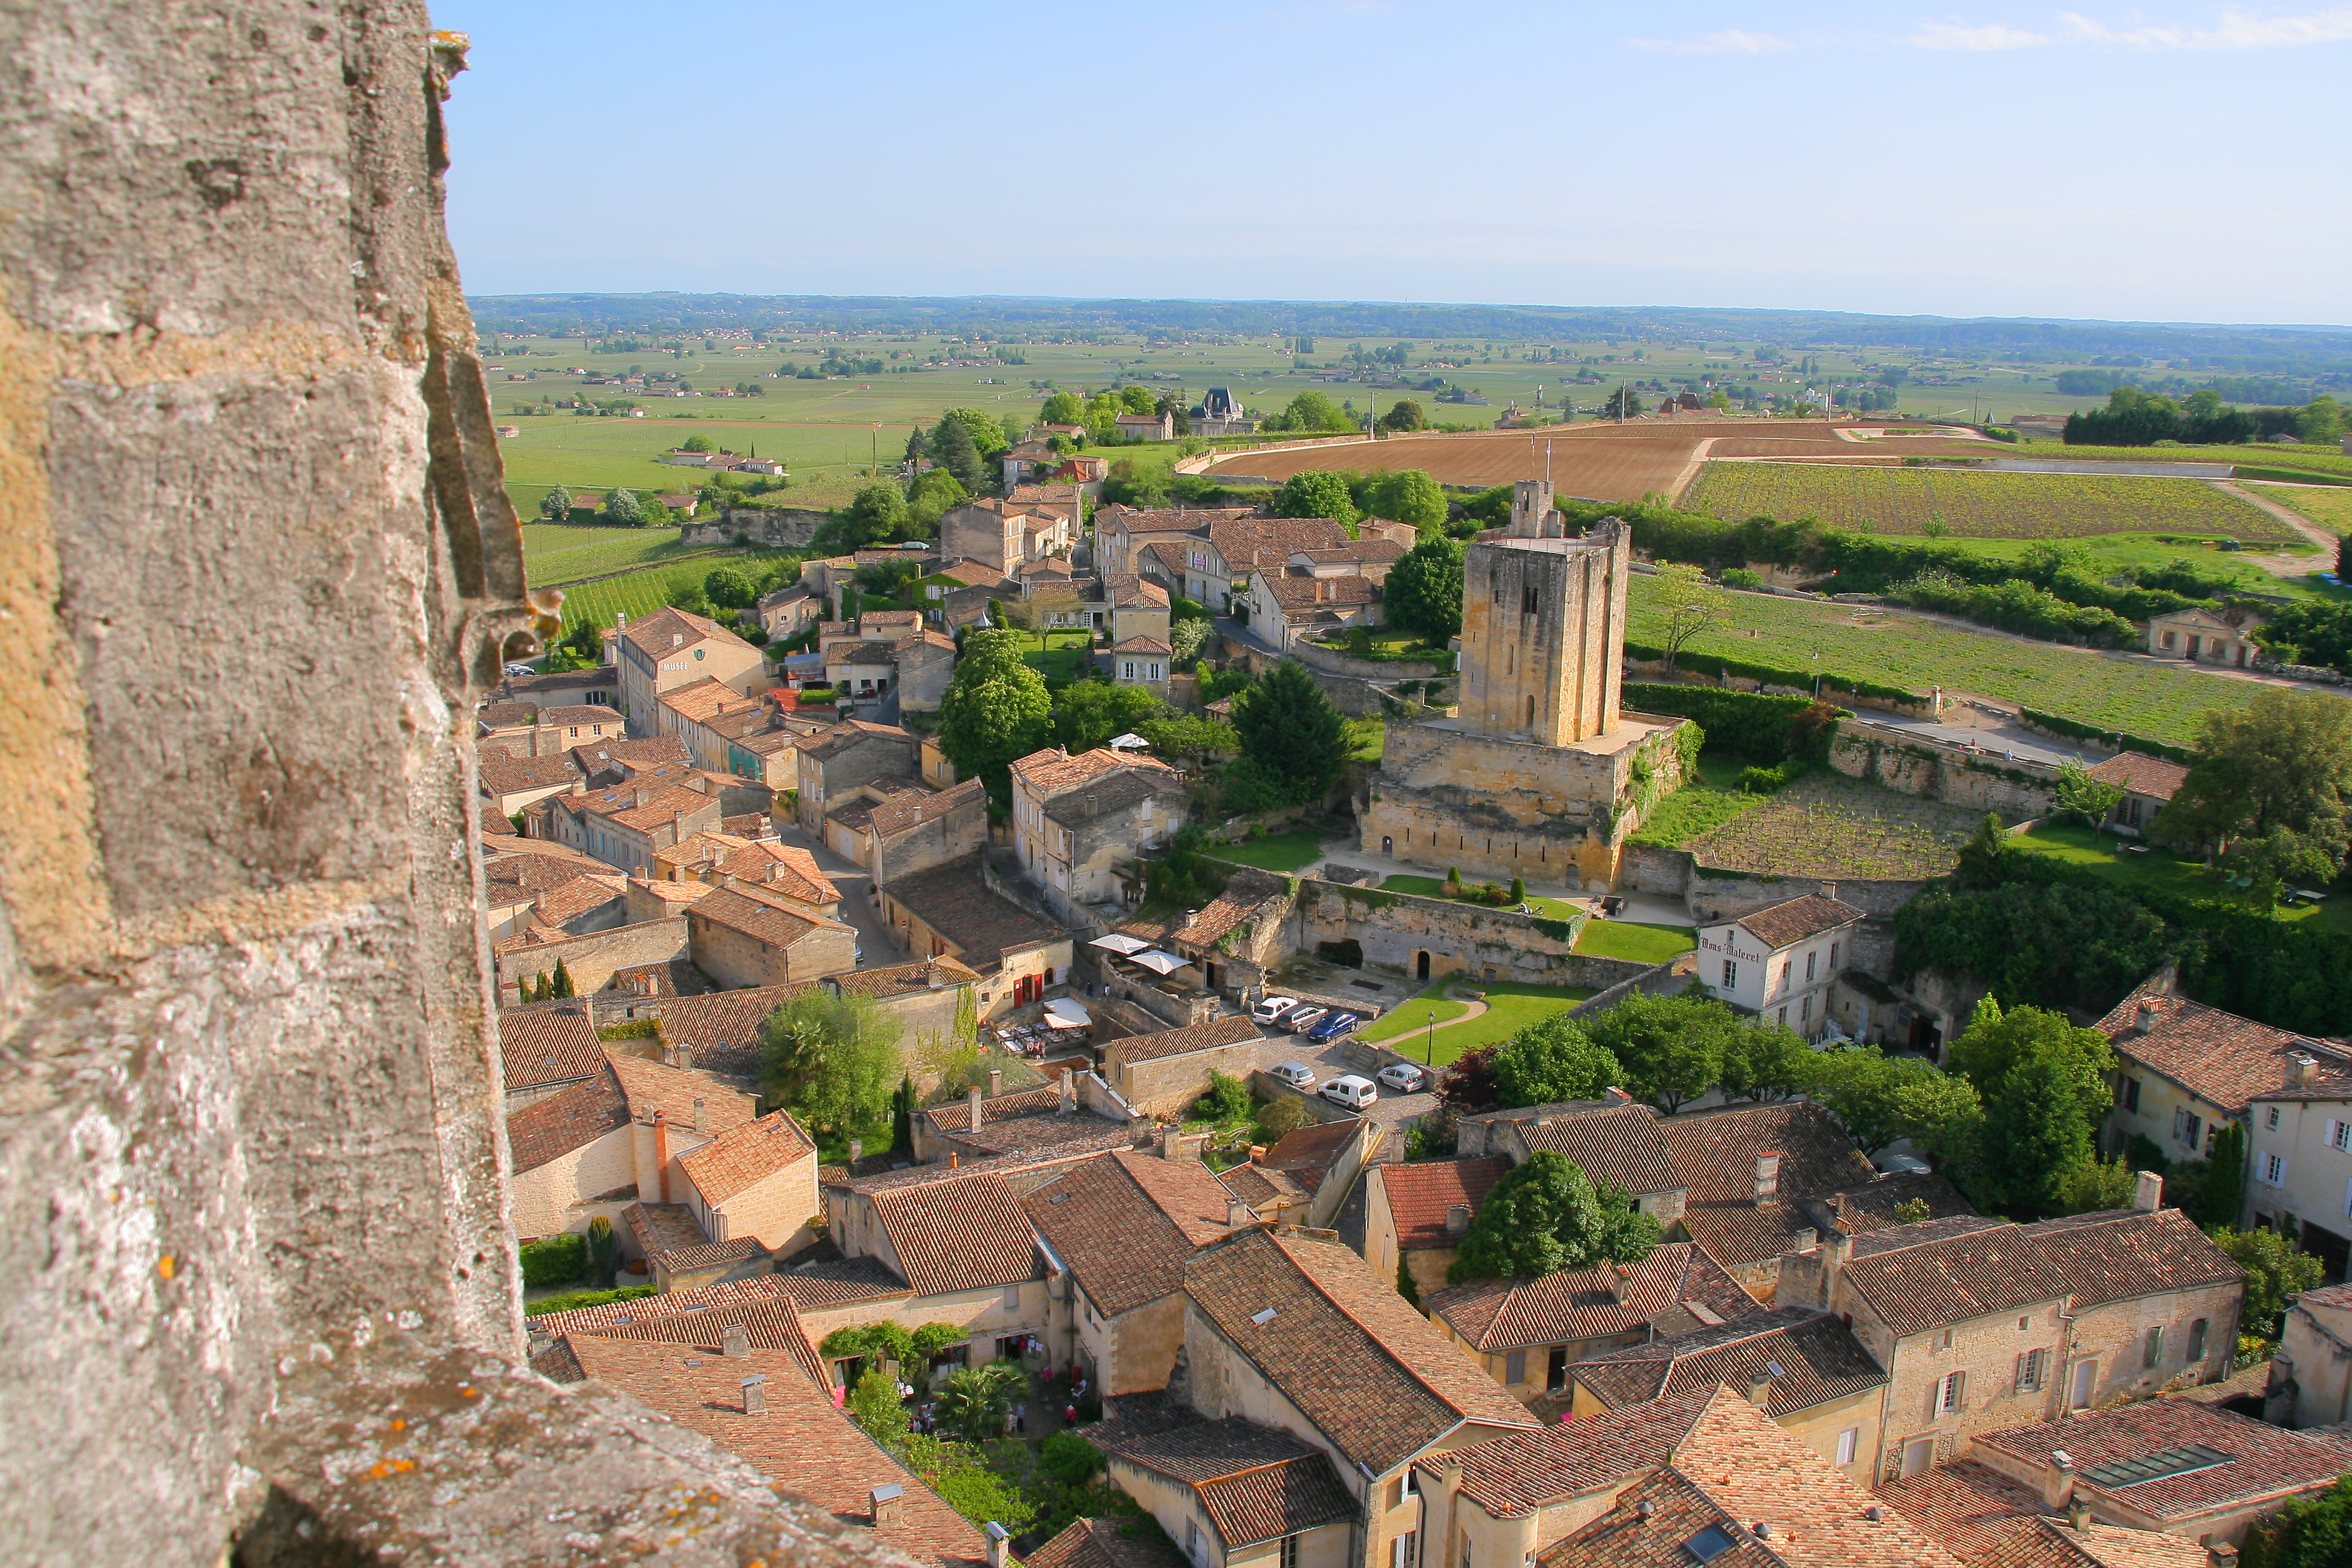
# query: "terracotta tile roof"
2152,776
768,1323
851,733
904,813
707,699
1301,592
669,1234
1422,1192
974,574
1216,1032
651,1086
497,826
801,1441
1856,1211
2109,1256
663,803
1373,551
1621,1144
1819,1358
1371,1374
1250,895
1170,553
1513,1475
1144,646
2113,1546
1786,923
904,979
571,1118
651,635
1127,591
1714,1156
1116,1232
2264,1463
501,774
1738,1471
596,758
1245,542
769,921
1105,1544
1050,771
981,923
1254,1483
1306,1155
673,895
744,1155
1969,1508
1583,1304
578,897
2219,1057
1258,1186
1027,1122
546,1043
839,1282
965,1234
1940,1282
720,1032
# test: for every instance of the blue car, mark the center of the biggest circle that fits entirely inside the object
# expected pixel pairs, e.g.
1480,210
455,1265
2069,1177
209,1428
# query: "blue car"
1332,1027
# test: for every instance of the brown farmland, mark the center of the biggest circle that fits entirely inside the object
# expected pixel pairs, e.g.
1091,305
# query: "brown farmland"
1596,462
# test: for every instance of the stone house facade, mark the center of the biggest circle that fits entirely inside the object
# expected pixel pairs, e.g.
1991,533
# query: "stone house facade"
851,754
2201,637
1780,961
671,648
742,938
918,829
1076,820
2314,1359
757,1180
1417,1211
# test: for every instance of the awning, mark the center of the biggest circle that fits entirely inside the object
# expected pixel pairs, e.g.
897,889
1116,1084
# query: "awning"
1161,963
1119,942
1069,1012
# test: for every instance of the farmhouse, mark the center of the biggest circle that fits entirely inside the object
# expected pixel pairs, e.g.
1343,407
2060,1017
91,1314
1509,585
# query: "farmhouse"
1780,959
2148,784
1541,774
2200,637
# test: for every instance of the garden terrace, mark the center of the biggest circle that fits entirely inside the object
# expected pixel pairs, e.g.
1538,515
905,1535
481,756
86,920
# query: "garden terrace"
1825,825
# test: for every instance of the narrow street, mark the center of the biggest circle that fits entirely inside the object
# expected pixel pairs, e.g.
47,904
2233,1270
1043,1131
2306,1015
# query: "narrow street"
876,949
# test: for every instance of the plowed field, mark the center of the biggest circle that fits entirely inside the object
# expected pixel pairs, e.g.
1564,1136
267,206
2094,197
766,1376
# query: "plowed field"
1970,504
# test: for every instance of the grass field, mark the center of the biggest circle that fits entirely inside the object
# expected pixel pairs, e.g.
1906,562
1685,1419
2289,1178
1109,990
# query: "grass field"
1433,888
1711,799
2108,554
2109,856
1415,1014
1293,851
1061,654
1511,1007
2115,691
2318,459
555,553
1974,505
2329,506
642,593
1629,940
1826,825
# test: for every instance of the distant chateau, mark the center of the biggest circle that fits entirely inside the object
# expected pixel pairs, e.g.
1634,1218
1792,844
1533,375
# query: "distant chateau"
1542,774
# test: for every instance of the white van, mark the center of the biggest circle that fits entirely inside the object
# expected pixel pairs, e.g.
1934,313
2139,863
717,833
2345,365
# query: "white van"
1351,1091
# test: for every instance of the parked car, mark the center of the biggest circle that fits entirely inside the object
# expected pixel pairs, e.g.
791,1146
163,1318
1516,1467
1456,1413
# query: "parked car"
1350,1090
520,671
1273,1007
1403,1076
1333,1026
1297,1075
1303,1017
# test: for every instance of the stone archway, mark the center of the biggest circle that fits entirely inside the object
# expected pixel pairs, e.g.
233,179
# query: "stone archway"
1421,964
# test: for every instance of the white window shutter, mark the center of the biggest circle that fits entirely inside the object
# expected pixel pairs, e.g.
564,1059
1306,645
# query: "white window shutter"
2019,1378
2332,1125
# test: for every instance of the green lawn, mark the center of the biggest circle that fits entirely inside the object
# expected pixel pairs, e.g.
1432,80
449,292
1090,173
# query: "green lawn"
2114,691
1415,1014
1365,739
1434,887
1292,851
2106,854
1705,802
1640,943
1067,655
1511,1005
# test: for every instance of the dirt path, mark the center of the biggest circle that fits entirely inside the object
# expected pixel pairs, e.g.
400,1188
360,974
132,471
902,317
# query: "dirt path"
1689,475
2283,565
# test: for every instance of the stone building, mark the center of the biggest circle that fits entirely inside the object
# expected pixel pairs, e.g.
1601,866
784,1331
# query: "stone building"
672,649
1541,774
1419,1210
2315,1358
1076,820
1780,961
740,936
849,754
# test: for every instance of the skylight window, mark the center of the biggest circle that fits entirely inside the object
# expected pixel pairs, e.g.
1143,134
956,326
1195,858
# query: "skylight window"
1708,1544
2161,1466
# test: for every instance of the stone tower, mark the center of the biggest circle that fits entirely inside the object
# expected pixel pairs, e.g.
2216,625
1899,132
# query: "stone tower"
1543,626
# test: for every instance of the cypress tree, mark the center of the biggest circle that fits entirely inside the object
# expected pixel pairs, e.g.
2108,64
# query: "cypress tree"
1290,731
562,984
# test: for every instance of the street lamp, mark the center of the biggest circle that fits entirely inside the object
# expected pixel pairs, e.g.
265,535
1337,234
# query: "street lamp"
1428,1045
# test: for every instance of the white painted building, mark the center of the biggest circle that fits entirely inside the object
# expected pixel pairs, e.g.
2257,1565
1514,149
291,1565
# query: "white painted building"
1778,961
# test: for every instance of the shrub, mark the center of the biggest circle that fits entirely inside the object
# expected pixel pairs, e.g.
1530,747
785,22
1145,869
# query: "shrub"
1742,577
1068,1459
1742,723
1772,780
555,1260
584,1298
1228,1100
1280,1116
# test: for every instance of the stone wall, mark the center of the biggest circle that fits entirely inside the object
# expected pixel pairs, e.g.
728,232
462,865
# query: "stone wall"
1330,661
1165,1085
1396,929
259,562
769,527
1935,770
591,960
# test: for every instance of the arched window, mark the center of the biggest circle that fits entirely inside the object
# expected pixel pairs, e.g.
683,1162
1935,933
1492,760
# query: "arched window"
1531,711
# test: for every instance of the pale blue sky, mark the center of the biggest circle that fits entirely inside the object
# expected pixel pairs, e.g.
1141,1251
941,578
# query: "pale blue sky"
1994,157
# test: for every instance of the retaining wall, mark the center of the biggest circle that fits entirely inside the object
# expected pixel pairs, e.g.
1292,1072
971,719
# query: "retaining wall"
772,527
1937,770
1375,670
591,960
1395,928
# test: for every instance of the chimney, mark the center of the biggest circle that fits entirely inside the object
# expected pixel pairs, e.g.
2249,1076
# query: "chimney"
701,1120
2143,1018
972,1105
1457,1218
1615,1097
2221,1554
661,1150
755,1393
1620,1283
2078,1513
882,1505
642,795
1805,1238
2302,1066
1759,1385
856,1150
995,1082
932,976
2148,1196
1067,1101
2058,1482
1239,1213
1829,889
998,1543
733,1340
1837,1250
1767,1176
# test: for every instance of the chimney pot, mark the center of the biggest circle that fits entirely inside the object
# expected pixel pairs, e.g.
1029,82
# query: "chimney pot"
856,1150
2078,1513
1457,1218
2058,1485
2143,1017
2148,1196
1000,1540
882,1504
2302,1066
701,1120
995,1081
1238,1214
755,1393
734,1340
1805,1239
1621,1284
2221,1554
971,1106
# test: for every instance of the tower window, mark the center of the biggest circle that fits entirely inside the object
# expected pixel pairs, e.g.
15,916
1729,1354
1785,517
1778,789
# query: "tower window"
1531,712
1528,600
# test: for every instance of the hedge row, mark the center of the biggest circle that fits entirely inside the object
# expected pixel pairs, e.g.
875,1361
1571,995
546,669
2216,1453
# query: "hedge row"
1713,664
555,1260
2121,739
1745,723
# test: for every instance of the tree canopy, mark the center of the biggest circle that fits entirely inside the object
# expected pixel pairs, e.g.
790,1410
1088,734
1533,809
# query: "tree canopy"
954,448
1880,1099
1409,496
1316,494
2280,763
995,709
2045,1092
1551,1060
1423,592
1090,712
556,504
1309,412
1545,1216
623,508
1290,732
1404,414
1671,1047
832,1058
729,587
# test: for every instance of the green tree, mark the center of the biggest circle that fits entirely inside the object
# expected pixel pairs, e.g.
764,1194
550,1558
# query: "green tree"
1551,1060
695,444
995,710
1063,408
2098,1185
830,1058
1764,1061
1979,858
1622,403
623,510
2272,862
1670,1048
937,493
2088,798
1880,1099
731,588
1314,493
874,1404
2045,1092
556,504
1545,1216
2275,1270
954,448
1423,592
2313,1532
876,512
562,983
976,1400
903,1102
1185,739
2283,760
1290,732
1689,603
1404,414
603,1250
1411,496
1136,399
1090,712
2224,1190
1311,412
987,431
1406,1286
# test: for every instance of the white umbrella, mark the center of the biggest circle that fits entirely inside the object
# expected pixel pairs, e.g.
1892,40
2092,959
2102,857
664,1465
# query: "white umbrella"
1119,942
1159,963
1128,743
1068,1011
